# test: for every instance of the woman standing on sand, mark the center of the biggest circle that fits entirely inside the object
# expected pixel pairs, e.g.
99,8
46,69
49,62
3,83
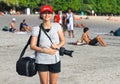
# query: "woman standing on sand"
47,59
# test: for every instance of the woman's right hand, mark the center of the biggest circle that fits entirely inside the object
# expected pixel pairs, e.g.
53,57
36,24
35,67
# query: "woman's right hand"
49,51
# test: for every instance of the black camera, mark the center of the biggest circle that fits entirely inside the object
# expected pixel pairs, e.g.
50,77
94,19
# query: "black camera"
63,51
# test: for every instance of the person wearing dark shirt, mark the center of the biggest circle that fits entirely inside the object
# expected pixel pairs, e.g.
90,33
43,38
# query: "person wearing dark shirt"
24,26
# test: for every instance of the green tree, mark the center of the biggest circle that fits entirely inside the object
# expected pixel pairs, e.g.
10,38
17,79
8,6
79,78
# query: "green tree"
99,6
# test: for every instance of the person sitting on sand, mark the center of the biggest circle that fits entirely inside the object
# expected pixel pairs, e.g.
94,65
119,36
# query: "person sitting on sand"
89,41
24,26
12,26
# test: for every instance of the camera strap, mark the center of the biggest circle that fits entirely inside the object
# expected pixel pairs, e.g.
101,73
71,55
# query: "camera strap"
62,49
46,33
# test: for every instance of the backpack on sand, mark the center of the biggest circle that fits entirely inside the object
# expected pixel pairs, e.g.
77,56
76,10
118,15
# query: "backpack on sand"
117,32
5,28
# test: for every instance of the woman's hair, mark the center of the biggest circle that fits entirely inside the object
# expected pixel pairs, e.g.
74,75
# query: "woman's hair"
85,29
40,17
56,12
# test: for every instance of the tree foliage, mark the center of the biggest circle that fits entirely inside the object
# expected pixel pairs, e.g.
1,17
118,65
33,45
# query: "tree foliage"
99,6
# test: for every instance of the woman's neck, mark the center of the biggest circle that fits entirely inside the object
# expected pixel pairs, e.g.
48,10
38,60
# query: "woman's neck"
46,25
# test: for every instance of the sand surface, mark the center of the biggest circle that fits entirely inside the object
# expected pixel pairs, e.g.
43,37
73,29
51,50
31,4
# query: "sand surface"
89,65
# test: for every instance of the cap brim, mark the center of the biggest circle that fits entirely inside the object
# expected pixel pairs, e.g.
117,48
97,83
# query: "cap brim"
46,11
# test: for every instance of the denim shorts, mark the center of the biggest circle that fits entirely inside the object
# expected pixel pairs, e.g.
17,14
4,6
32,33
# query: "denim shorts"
54,68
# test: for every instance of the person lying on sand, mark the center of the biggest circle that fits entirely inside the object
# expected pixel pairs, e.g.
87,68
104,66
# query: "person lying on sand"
89,41
110,18
79,25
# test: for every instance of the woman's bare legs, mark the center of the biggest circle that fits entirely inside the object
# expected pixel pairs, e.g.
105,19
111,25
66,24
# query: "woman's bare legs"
43,76
53,78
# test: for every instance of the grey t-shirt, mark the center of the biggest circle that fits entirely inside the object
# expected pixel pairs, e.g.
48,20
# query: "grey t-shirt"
43,58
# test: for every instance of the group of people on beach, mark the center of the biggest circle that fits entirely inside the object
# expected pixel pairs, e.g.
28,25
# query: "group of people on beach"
67,24
47,59
23,26
52,38
66,21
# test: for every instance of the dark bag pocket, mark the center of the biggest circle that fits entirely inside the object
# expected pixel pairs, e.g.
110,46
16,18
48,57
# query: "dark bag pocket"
67,21
26,66
4,29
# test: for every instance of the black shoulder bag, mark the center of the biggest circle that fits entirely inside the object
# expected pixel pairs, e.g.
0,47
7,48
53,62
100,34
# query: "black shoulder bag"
25,66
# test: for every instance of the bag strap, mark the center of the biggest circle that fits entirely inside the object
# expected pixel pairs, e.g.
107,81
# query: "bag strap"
28,43
46,33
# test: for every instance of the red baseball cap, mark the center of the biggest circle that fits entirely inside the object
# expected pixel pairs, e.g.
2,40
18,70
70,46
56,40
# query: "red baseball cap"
46,8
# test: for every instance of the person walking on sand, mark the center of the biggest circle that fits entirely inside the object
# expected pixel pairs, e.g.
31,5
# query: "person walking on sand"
69,21
89,41
47,59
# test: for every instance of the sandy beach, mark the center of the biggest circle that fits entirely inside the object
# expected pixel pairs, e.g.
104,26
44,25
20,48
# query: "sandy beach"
89,65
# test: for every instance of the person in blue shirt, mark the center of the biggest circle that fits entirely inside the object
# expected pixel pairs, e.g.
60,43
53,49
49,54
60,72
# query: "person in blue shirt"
24,26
